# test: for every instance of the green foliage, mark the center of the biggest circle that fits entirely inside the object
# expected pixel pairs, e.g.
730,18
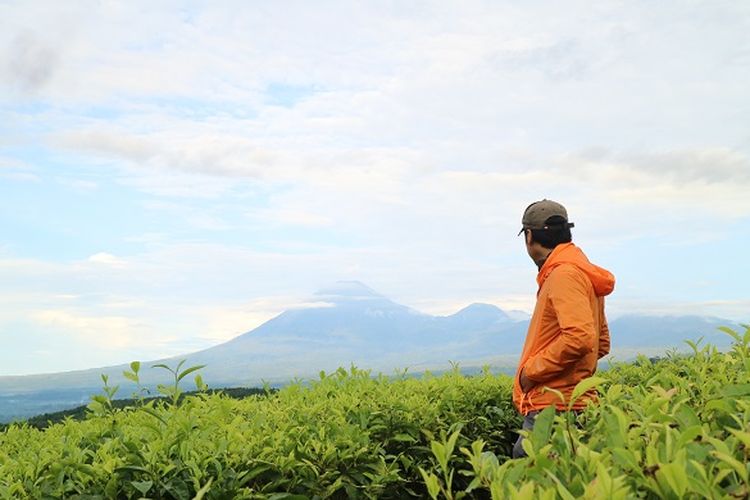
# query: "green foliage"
677,427
101,404
133,376
346,435
79,413
174,391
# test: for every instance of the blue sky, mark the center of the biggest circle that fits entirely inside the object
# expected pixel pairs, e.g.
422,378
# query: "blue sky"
174,174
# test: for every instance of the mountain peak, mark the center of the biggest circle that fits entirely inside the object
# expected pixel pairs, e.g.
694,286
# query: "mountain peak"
347,290
489,311
479,307
481,312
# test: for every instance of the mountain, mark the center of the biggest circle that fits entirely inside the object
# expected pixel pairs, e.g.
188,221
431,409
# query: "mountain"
670,331
353,324
359,326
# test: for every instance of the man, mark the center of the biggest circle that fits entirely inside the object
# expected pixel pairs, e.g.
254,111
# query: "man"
568,332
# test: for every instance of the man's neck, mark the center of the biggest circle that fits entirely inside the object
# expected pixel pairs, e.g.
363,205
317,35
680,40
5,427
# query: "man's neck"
542,259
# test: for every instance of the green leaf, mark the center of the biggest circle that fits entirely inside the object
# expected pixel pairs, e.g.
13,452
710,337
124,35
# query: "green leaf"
201,492
718,404
438,450
527,492
451,445
584,386
189,371
736,336
736,390
98,398
564,493
432,483
689,435
199,384
528,447
687,416
675,477
559,394
625,458
543,426
142,486
742,436
403,438
720,445
130,376
96,407
738,466
252,474
153,413
133,468
135,366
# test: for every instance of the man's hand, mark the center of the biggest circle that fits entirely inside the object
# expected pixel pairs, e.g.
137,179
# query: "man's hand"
526,383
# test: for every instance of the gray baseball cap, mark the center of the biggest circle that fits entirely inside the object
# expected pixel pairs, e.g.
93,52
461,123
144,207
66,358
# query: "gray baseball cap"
535,216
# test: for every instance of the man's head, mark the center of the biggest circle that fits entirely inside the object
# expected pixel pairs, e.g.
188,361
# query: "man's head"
545,225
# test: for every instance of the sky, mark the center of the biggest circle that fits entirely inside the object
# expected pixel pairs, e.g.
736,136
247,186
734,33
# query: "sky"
173,174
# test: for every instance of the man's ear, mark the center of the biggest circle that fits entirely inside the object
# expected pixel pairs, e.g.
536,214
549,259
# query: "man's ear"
527,236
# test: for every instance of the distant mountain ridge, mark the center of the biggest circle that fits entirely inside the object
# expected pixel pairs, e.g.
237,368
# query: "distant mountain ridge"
355,325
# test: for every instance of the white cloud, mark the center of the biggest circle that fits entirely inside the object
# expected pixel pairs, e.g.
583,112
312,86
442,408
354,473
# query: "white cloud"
224,322
292,217
80,185
108,332
13,164
421,134
123,145
17,170
196,217
20,176
177,185
735,310
107,259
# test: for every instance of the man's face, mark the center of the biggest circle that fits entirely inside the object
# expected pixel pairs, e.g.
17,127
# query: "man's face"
527,240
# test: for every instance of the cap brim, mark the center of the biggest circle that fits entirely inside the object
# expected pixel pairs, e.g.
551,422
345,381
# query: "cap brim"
567,224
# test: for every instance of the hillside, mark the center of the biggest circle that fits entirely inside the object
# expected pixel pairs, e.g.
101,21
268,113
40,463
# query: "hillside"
352,325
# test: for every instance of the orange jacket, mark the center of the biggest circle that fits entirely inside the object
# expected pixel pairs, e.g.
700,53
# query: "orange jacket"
568,332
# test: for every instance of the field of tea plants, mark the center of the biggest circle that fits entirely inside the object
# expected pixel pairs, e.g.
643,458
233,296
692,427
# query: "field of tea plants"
671,428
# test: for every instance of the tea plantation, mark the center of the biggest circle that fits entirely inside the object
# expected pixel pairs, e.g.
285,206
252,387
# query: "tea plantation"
678,427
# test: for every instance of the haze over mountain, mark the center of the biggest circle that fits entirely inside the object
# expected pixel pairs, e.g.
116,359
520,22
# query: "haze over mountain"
353,324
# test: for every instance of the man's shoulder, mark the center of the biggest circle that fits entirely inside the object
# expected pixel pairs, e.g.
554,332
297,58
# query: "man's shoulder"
567,270
568,274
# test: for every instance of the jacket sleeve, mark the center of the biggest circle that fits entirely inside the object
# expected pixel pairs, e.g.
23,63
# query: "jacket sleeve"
604,342
569,297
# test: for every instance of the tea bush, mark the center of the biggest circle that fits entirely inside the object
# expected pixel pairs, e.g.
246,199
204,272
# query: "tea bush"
675,428
345,435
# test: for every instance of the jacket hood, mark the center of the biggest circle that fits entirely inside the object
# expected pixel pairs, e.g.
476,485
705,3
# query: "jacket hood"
602,280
